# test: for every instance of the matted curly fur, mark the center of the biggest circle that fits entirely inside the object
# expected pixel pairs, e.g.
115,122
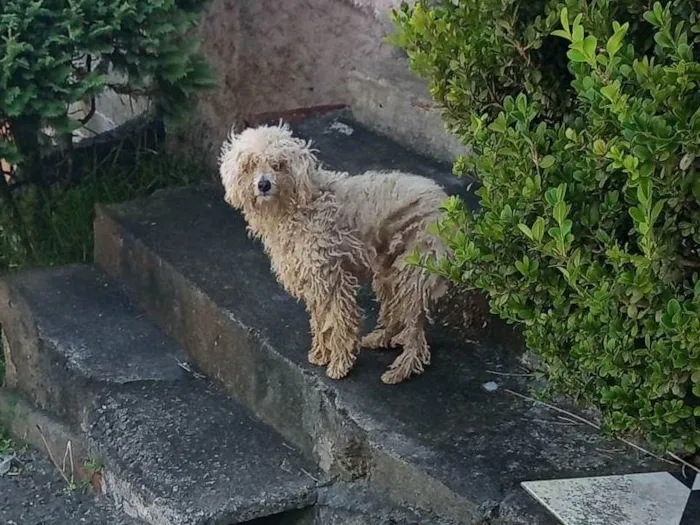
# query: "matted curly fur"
325,231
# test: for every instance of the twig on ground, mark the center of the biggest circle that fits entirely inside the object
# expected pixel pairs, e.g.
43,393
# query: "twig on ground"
188,368
552,407
508,374
684,462
568,419
563,423
68,455
590,424
310,475
53,459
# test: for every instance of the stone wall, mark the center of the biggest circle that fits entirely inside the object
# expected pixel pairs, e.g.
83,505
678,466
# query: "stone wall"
272,56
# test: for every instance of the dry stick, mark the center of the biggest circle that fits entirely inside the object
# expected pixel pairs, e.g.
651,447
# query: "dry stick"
53,460
684,462
309,475
68,455
586,422
509,374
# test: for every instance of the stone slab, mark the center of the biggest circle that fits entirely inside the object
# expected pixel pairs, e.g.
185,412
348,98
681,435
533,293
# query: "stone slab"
176,450
443,442
653,498
186,453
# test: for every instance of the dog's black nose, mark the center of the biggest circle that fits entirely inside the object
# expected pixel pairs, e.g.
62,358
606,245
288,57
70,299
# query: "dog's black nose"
264,185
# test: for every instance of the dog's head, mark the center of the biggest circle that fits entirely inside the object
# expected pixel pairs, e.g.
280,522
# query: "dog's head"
266,170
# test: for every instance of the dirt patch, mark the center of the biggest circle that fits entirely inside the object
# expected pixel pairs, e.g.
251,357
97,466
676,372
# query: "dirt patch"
468,312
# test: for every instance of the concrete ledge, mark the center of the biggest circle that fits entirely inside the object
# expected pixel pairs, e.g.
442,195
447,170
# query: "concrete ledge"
397,104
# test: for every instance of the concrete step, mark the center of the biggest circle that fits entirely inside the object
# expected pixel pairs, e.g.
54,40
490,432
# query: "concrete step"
442,442
33,492
176,450
394,102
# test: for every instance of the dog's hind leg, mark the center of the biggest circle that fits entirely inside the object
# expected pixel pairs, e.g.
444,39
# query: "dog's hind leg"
388,325
415,292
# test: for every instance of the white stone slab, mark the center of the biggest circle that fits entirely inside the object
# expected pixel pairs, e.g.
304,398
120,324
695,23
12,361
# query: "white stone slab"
655,498
696,483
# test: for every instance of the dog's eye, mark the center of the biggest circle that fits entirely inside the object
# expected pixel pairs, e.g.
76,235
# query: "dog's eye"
278,165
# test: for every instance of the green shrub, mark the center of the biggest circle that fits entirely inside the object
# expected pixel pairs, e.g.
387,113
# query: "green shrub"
476,52
55,53
589,228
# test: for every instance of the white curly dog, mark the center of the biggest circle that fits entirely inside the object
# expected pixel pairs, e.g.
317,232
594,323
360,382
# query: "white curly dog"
325,231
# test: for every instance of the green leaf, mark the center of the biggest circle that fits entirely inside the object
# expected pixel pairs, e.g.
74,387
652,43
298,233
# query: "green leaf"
523,266
610,92
663,40
561,191
615,41
673,307
538,229
564,19
566,227
589,47
637,214
686,161
499,125
551,196
696,188
695,377
560,210
656,211
644,192
526,230
577,33
650,17
576,56
547,162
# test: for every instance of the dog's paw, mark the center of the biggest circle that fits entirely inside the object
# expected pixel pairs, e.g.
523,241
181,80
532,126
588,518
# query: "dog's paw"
394,377
319,358
376,340
405,366
338,370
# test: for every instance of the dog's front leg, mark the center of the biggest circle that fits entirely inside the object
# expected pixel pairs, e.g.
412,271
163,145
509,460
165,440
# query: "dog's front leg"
320,353
338,321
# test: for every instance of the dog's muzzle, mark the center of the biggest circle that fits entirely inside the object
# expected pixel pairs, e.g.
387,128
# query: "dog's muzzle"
264,185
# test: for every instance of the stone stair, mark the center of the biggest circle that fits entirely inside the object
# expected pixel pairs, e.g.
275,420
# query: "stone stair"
175,449
265,435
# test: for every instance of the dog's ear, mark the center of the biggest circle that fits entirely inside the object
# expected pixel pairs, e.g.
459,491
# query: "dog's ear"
303,164
228,168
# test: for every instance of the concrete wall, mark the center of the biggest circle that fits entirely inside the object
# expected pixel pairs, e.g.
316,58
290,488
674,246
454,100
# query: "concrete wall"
277,55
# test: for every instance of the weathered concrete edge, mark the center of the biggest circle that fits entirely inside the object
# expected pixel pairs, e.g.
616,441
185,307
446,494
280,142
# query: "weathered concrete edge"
35,427
318,425
398,106
54,439
32,368
48,405
36,412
